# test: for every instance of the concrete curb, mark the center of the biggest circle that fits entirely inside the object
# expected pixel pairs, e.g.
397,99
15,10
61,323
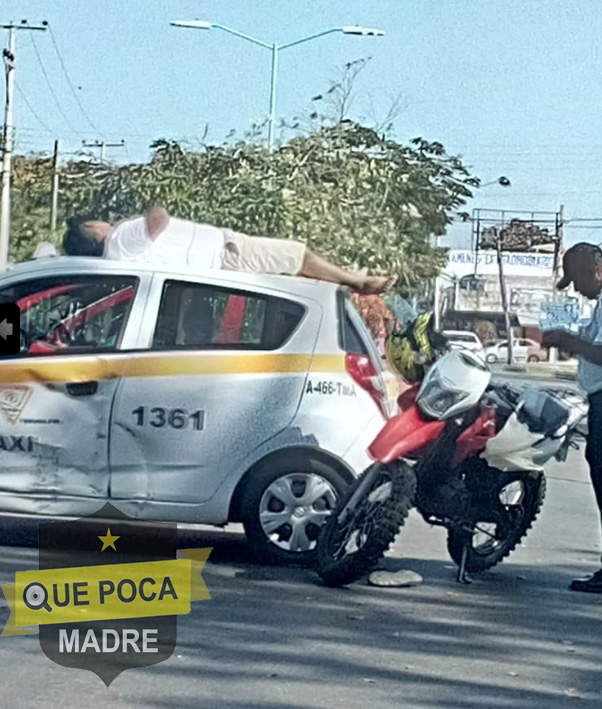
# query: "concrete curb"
568,371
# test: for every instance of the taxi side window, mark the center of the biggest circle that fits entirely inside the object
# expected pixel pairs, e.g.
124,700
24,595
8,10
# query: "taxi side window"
199,316
71,314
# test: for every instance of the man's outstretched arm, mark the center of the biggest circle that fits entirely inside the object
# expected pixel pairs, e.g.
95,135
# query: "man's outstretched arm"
157,220
590,351
573,344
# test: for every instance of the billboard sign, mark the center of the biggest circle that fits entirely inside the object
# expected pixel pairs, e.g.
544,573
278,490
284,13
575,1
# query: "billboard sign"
560,316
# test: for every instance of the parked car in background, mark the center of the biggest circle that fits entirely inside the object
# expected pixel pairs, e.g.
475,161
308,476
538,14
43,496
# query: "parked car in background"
464,339
184,397
536,353
523,349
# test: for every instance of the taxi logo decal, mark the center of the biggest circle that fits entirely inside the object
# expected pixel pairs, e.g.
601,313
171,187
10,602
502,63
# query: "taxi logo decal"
13,400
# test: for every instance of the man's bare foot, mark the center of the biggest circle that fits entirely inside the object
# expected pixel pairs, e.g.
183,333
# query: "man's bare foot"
374,285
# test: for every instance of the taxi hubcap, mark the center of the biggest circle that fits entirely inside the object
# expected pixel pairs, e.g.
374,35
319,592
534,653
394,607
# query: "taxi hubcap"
294,507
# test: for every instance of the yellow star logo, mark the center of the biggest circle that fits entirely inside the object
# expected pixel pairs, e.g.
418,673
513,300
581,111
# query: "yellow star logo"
108,540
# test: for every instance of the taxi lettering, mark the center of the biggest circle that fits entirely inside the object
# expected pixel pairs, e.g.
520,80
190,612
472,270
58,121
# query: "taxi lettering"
10,444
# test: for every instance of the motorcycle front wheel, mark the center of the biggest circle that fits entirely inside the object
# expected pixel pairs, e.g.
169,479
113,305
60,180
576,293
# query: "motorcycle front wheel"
351,545
516,503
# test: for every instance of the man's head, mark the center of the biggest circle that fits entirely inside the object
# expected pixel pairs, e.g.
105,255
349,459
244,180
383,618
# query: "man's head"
85,236
582,266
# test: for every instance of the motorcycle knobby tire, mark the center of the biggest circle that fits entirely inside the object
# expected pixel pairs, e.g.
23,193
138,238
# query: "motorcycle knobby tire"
392,515
535,490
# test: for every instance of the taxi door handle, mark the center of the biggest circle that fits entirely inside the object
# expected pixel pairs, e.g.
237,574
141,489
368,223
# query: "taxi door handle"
82,388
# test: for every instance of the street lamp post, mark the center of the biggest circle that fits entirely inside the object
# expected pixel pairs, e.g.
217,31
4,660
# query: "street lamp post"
272,114
275,50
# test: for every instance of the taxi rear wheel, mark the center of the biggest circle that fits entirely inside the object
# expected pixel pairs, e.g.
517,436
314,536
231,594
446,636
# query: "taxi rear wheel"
284,505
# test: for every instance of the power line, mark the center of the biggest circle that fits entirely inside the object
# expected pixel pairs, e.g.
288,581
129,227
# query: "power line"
582,226
102,145
585,219
526,147
151,136
49,83
8,56
556,194
550,150
31,109
140,136
73,91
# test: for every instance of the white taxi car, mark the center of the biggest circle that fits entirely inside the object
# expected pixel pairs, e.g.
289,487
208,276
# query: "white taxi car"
187,398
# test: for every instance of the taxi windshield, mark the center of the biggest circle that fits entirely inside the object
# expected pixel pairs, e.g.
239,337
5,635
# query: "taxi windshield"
70,314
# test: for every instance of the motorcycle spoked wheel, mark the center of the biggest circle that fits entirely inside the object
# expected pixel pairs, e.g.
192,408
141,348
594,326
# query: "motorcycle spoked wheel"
349,550
505,527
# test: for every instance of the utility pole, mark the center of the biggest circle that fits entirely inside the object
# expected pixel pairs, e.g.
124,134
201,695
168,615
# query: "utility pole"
7,147
272,118
558,251
8,56
54,202
437,297
504,297
102,145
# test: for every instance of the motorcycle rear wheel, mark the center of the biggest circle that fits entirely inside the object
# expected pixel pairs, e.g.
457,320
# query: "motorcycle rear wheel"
348,551
521,516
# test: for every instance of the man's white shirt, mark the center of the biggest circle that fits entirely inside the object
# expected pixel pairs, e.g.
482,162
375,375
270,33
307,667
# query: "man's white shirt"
589,375
181,244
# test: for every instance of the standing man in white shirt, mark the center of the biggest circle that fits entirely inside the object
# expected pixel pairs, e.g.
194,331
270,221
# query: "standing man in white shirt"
582,266
157,238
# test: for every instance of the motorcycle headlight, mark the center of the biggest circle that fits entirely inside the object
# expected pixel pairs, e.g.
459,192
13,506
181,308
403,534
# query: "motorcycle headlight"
435,399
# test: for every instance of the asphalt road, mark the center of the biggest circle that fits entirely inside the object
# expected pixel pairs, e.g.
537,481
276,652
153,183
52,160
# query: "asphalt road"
274,637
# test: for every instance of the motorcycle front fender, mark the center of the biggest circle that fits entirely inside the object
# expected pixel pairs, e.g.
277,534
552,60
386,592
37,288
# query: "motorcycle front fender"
403,435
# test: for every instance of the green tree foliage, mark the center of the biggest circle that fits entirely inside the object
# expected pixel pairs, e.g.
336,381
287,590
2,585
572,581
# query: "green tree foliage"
354,196
30,213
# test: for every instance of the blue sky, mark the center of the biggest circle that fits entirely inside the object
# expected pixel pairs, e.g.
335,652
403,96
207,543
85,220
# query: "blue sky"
514,87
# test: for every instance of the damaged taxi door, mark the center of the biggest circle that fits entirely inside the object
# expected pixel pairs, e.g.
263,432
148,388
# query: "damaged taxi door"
212,387
56,395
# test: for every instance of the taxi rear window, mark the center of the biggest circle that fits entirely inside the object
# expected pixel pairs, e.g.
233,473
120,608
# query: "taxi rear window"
201,316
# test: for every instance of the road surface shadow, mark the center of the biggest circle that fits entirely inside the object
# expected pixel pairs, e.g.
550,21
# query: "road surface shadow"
275,637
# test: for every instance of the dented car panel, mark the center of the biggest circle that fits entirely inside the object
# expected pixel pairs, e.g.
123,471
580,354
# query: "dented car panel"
160,391
54,441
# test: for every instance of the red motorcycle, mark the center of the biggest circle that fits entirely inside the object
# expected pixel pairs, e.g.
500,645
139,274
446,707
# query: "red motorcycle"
468,454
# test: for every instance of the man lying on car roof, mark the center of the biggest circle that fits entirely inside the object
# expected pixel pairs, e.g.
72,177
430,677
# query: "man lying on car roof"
157,238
